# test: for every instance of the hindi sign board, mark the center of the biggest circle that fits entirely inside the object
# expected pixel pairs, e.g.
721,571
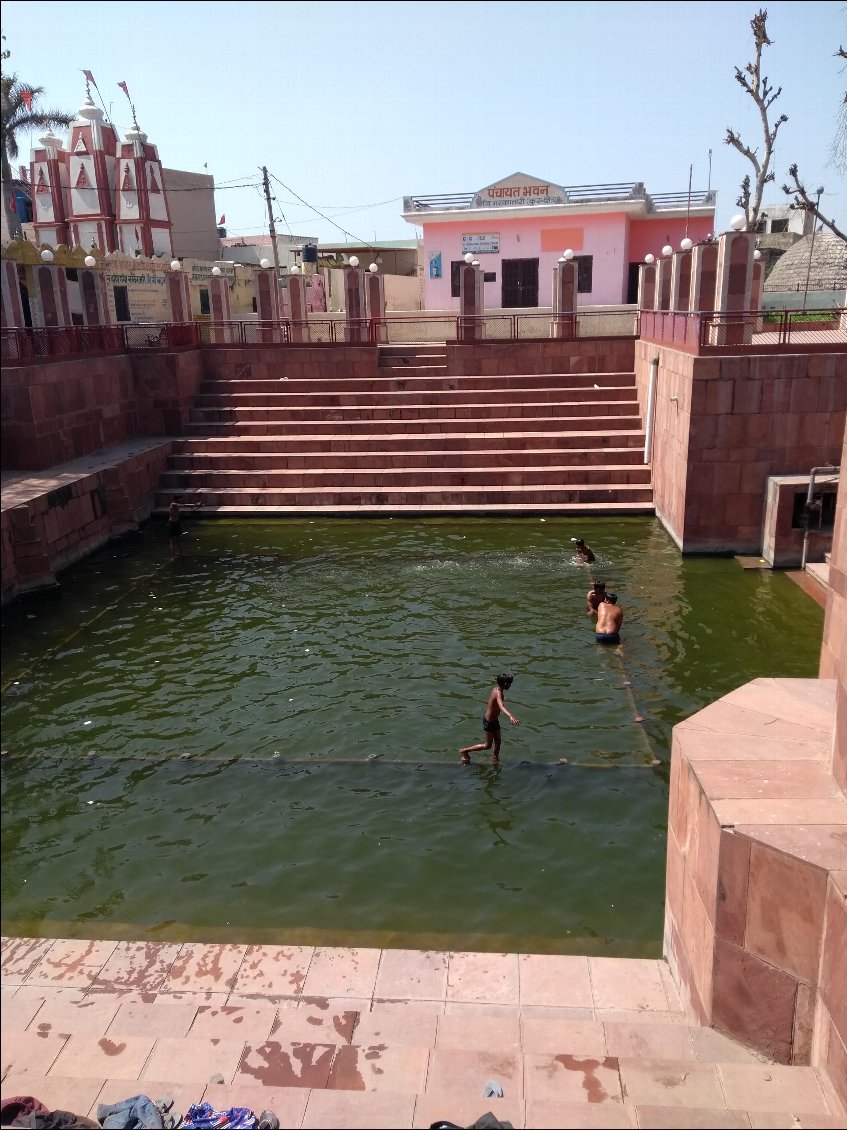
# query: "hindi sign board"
519,191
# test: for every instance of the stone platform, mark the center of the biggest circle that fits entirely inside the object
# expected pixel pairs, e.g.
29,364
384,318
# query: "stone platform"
381,1038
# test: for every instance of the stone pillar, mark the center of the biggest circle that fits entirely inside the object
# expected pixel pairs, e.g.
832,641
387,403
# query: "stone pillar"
375,299
664,267
563,323
681,281
734,288
298,311
179,293
52,296
704,275
471,303
355,304
221,307
647,286
268,305
11,307
95,301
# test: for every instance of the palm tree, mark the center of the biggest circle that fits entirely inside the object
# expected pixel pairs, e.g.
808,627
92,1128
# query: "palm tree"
17,114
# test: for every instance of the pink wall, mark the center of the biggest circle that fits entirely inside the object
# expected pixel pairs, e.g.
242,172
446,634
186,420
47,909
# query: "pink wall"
648,237
611,238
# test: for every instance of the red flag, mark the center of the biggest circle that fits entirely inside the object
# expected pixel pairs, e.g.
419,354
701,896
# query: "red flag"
13,204
26,98
221,221
89,77
122,85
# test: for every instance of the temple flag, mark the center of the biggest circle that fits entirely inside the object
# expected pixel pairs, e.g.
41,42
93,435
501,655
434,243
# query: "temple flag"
221,221
122,85
89,77
26,98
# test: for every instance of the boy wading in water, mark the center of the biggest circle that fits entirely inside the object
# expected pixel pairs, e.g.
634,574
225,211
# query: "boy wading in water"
491,721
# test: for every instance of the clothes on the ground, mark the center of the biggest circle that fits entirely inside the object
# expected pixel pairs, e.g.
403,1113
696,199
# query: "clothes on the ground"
490,727
136,1113
203,1116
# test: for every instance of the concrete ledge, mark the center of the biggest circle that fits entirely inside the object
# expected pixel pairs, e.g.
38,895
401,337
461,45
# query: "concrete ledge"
755,918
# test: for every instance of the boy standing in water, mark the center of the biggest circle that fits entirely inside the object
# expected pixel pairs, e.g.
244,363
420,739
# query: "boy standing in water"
491,721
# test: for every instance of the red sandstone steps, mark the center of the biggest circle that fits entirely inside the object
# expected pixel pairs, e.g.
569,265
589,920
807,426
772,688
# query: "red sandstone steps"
352,460
376,478
405,442
478,412
489,426
435,398
408,382
420,495
242,509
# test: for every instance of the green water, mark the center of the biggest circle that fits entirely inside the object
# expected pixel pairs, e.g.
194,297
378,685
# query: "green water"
258,742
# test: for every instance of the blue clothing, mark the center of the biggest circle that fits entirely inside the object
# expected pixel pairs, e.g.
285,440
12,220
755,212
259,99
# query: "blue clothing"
137,1113
607,637
203,1116
491,727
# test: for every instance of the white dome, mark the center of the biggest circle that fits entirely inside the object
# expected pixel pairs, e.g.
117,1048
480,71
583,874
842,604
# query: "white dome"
89,112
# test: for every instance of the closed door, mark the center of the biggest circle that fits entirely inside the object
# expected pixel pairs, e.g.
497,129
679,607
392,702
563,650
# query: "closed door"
520,282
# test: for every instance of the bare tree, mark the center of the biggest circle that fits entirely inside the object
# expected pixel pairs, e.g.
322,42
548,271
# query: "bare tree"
803,201
838,151
763,94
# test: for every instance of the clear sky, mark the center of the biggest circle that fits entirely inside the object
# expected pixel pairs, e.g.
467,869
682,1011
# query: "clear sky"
353,105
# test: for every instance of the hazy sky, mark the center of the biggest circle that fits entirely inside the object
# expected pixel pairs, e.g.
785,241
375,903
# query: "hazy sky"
353,106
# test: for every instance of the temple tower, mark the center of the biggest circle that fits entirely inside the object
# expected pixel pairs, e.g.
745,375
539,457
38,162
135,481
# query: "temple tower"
48,172
142,213
90,189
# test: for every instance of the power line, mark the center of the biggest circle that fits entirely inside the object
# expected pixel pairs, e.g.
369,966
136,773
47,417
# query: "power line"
323,215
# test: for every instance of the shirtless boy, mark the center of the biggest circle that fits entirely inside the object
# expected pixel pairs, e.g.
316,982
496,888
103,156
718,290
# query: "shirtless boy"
609,620
175,524
491,721
583,551
595,597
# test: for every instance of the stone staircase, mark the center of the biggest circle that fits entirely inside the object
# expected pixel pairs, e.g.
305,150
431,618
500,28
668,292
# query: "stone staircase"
367,1038
414,440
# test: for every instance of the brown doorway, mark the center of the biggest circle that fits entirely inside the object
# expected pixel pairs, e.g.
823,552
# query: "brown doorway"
520,282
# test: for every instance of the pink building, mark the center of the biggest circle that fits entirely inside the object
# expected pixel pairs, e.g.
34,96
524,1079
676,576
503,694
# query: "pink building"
518,228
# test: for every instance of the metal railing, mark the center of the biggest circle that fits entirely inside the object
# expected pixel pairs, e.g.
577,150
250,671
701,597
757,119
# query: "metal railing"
32,344
746,330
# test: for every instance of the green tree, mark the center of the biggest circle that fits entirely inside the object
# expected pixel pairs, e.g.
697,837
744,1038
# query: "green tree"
18,113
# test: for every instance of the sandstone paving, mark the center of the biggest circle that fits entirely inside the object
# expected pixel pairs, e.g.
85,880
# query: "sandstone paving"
330,1037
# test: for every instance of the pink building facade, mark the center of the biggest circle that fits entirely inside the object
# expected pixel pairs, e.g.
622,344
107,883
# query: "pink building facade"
518,228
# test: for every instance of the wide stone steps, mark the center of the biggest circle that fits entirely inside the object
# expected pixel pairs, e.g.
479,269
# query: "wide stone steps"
451,445
405,382
422,459
375,494
463,410
412,509
319,1064
398,398
413,440
491,426
375,477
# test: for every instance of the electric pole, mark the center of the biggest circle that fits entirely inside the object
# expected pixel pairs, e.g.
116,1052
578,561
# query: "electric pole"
271,226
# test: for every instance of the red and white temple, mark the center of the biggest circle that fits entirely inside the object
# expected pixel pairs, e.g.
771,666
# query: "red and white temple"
100,192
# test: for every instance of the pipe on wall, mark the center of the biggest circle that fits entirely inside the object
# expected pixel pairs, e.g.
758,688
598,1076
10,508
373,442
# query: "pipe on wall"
651,407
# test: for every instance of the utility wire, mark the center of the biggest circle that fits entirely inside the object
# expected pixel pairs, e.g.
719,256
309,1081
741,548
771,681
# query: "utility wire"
323,216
